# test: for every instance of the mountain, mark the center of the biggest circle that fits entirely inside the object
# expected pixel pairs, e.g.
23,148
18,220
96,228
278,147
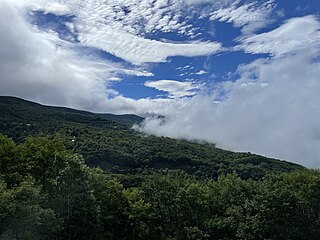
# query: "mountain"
108,141
17,108
150,187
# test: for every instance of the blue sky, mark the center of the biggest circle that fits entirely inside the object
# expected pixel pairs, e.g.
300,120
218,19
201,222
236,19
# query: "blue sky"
214,67
243,74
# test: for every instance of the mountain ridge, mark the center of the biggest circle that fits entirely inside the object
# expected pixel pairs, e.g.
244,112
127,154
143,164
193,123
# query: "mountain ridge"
109,142
122,117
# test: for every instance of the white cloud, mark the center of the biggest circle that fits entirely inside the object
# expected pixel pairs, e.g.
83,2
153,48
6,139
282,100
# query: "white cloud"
97,29
280,119
41,67
55,7
138,50
38,66
201,72
137,17
272,109
139,73
293,36
250,16
175,89
118,27
142,107
209,4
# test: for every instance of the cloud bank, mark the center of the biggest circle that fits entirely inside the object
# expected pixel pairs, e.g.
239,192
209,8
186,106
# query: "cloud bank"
272,108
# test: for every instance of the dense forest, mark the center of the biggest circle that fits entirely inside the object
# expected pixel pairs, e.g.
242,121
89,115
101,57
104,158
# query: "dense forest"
67,174
109,142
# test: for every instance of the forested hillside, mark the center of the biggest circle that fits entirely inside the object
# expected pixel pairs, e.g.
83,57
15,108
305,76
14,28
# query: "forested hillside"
68,174
108,141
47,192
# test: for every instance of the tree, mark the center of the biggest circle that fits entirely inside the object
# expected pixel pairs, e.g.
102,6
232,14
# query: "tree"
26,218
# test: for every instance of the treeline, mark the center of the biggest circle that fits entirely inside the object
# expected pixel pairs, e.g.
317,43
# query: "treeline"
109,142
47,192
119,149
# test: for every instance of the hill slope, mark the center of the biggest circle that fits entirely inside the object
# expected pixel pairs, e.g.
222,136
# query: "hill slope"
107,141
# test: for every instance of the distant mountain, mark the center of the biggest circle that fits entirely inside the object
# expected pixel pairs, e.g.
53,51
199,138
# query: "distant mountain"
108,141
23,109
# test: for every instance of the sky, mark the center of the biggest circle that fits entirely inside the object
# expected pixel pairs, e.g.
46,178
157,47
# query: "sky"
243,74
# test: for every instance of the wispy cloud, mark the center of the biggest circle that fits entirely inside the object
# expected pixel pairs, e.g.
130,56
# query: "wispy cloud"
139,50
295,35
119,27
250,16
175,89
201,72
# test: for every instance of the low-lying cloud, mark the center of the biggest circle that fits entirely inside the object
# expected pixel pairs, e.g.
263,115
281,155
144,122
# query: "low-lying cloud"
272,109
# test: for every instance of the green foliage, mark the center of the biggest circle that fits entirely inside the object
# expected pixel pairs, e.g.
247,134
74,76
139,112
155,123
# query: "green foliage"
108,141
49,193
147,187
23,214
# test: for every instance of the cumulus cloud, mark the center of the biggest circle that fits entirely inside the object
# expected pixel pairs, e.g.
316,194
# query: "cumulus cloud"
117,40
55,7
272,109
250,16
39,66
118,27
137,17
293,36
175,89
216,3
201,72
